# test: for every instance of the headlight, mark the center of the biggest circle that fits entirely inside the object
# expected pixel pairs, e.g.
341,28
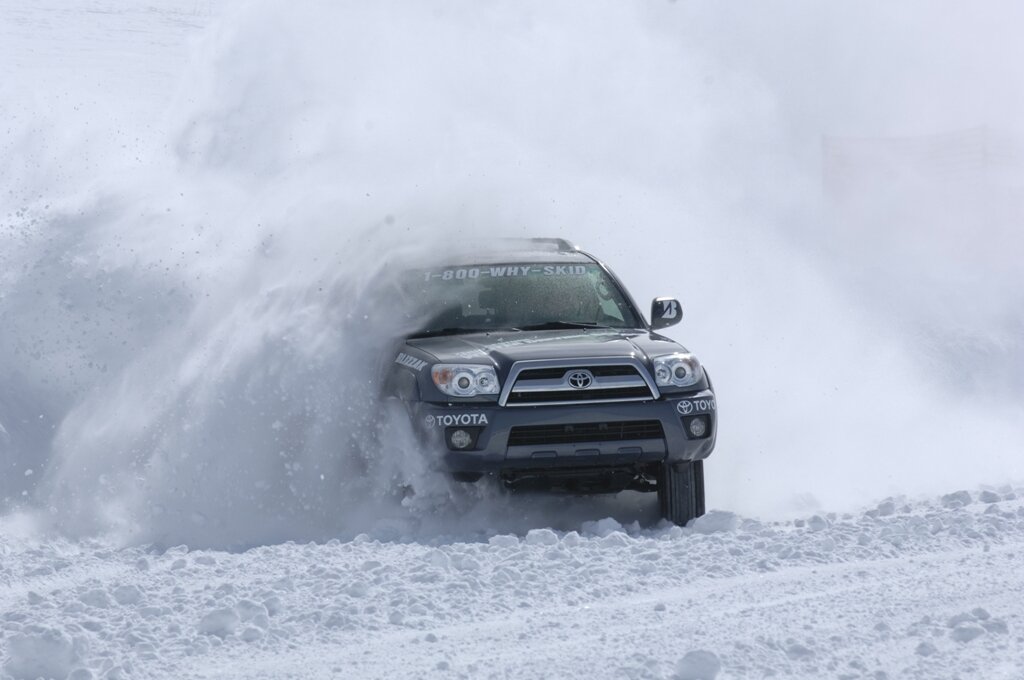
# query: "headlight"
465,380
679,370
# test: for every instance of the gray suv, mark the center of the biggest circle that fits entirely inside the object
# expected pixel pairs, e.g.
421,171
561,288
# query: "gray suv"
530,363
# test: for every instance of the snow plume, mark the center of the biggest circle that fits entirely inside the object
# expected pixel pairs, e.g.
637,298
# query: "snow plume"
199,330
227,381
253,421
185,355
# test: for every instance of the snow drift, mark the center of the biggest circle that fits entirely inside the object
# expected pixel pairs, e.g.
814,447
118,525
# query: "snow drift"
914,589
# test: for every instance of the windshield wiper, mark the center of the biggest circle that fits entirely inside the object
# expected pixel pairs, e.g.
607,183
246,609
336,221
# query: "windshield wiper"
454,330
547,325
553,325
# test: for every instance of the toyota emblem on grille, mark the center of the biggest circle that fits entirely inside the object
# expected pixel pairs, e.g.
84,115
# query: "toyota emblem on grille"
580,380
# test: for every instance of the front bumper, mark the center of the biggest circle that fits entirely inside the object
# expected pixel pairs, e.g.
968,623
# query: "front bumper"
492,425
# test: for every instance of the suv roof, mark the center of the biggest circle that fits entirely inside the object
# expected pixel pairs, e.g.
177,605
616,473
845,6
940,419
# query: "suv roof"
502,250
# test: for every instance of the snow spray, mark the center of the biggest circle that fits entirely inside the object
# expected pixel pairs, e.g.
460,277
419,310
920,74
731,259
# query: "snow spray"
189,329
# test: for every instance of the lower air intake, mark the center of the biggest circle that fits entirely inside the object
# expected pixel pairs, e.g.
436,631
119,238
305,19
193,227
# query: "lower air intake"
535,435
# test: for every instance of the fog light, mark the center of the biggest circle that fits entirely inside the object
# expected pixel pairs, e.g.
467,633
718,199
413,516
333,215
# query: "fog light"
698,427
460,439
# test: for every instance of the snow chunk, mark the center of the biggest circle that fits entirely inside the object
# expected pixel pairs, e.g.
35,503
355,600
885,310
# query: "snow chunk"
886,508
955,621
248,610
817,523
438,558
219,622
699,664
45,654
126,595
571,539
273,605
153,612
504,541
616,539
116,673
957,499
715,522
995,626
541,537
965,632
357,589
797,651
285,584
96,598
926,649
465,562
602,527
989,497
251,634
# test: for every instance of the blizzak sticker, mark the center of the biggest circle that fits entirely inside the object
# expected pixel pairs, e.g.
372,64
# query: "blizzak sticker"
410,362
463,419
688,406
505,271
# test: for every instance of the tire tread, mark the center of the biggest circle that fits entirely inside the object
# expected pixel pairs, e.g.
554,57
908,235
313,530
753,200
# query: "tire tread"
681,491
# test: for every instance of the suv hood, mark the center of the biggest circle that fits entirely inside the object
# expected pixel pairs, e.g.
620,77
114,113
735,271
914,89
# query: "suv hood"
503,348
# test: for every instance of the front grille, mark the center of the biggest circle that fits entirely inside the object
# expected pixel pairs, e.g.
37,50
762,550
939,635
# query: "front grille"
578,395
539,435
609,380
557,373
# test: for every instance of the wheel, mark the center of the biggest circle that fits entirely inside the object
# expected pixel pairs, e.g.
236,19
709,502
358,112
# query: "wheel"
395,464
413,472
681,491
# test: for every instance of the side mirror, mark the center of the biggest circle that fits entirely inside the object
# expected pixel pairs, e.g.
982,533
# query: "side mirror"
665,312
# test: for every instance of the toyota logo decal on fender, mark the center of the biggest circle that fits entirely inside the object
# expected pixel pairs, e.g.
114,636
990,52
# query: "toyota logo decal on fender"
702,405
580,380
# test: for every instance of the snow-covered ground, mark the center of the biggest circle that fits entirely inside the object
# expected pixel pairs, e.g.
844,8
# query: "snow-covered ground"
194,193
925,589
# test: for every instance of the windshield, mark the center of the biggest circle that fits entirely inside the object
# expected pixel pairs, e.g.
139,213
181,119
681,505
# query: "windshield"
522,296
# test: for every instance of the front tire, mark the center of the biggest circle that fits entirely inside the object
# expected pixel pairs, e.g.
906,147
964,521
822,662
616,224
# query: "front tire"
681,491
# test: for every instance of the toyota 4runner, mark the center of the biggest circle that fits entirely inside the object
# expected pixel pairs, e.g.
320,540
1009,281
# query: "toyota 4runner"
530,363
